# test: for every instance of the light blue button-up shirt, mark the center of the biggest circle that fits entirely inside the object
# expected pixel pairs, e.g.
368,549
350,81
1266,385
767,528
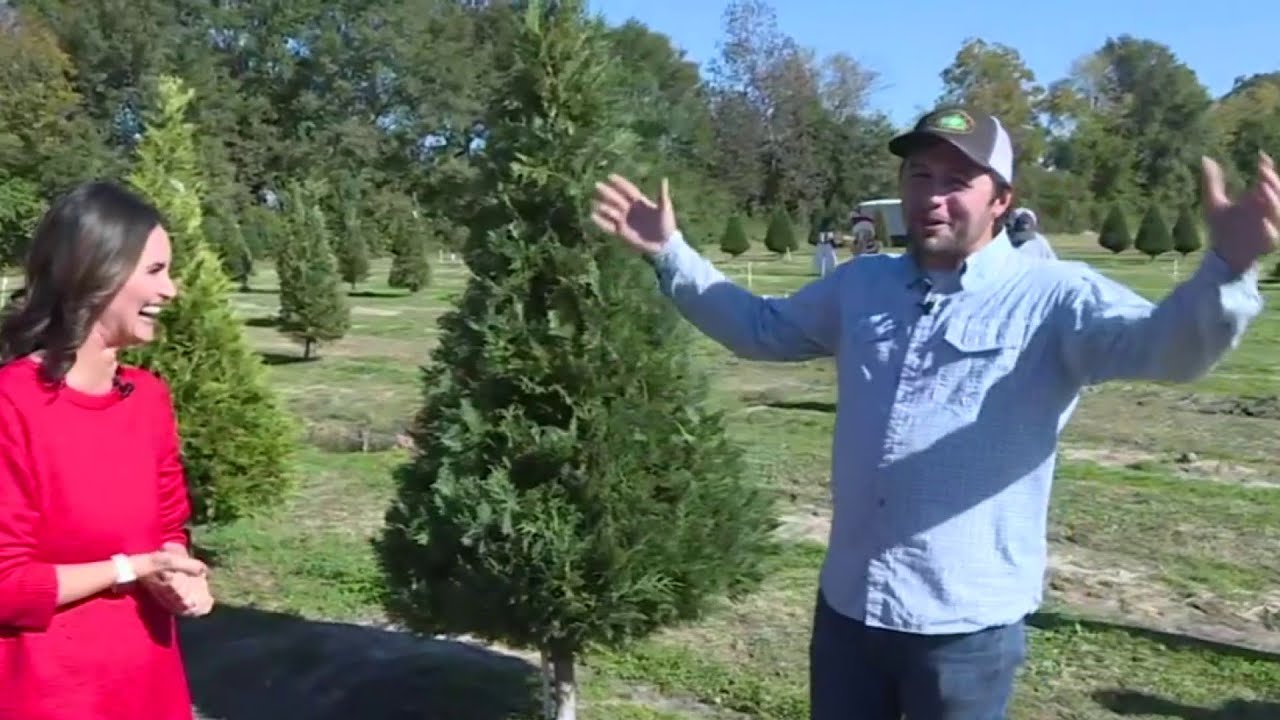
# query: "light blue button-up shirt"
952,393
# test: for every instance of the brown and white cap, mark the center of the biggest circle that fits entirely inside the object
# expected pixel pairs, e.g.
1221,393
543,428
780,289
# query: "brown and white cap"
979,136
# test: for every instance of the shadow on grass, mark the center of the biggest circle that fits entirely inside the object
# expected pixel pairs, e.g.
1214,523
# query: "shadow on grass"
1053,621
249,664
1126,702
263,321
275,358
813,405
383,294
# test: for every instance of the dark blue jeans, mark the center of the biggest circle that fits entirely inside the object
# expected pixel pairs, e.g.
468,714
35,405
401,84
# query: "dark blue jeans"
864,673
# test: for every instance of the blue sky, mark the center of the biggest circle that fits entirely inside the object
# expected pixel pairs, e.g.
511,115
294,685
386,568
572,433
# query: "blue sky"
1219,39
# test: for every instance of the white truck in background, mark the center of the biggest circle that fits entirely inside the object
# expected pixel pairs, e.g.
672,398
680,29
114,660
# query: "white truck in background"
891,208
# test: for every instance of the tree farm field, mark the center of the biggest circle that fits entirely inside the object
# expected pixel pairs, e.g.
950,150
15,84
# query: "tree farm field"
1163,599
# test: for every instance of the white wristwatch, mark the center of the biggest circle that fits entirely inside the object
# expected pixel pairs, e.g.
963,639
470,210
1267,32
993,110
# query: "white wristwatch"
124,570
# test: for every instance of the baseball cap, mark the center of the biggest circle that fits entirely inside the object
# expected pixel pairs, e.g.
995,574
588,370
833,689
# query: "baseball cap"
978,135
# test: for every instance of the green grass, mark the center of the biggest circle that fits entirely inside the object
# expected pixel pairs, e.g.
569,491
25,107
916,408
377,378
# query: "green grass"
1145,534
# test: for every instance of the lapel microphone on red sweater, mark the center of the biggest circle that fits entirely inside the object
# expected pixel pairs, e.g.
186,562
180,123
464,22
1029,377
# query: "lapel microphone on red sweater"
124,388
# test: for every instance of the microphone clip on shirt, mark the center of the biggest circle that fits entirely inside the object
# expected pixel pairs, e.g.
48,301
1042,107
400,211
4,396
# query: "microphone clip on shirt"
124,388
927,301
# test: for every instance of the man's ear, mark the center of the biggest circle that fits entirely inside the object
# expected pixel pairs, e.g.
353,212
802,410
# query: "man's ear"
1002,202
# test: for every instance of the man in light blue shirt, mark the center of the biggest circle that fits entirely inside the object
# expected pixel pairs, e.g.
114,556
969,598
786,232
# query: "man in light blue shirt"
1024,233
959,363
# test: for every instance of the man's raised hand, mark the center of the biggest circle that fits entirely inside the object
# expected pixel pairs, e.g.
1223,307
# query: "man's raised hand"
620,209
1243,230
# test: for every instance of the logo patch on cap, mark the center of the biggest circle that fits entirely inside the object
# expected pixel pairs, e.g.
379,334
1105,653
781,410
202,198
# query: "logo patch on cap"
953,121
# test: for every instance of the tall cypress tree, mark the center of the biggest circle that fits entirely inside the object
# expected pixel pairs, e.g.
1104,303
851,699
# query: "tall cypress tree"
236,438
570,486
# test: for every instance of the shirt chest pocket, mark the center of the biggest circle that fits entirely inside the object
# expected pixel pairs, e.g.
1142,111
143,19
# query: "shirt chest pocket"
971,360
872,346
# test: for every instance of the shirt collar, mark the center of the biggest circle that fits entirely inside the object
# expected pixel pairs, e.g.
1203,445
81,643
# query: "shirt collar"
982,267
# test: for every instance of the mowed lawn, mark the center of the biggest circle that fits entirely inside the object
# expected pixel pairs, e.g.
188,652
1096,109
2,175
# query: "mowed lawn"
1164,598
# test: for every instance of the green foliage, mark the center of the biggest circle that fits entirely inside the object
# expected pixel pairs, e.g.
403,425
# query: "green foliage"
167,166
410,266
570,486
353,251
224,234
1154,238
780,238
734,241
261,228
20,210
1115,231
46,137
1186,232
313,307
236,441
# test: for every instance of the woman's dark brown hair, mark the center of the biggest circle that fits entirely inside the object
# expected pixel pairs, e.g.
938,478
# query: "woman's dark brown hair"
83,251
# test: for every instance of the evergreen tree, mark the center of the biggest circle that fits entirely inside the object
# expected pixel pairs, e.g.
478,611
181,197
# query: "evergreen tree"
410,266
353,251
1115,231
223,233
313,308
167,165
780,238
734,241
1186,232
569,486
236,439
261,229
1153,238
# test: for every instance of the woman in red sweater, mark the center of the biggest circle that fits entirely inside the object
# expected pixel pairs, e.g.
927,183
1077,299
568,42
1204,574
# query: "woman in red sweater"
93,500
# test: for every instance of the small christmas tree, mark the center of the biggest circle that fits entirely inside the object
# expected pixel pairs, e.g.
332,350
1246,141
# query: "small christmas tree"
780,238
236,440
226,237
1186,232
734,242
1154,238
569,487
313,308
410,266
353,251
1115,231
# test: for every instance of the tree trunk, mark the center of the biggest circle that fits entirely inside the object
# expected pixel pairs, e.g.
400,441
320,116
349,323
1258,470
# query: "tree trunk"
559,685
306,348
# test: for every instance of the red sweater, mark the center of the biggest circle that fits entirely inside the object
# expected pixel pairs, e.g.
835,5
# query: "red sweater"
83,477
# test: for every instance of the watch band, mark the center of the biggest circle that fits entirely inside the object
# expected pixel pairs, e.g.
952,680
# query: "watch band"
124,569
